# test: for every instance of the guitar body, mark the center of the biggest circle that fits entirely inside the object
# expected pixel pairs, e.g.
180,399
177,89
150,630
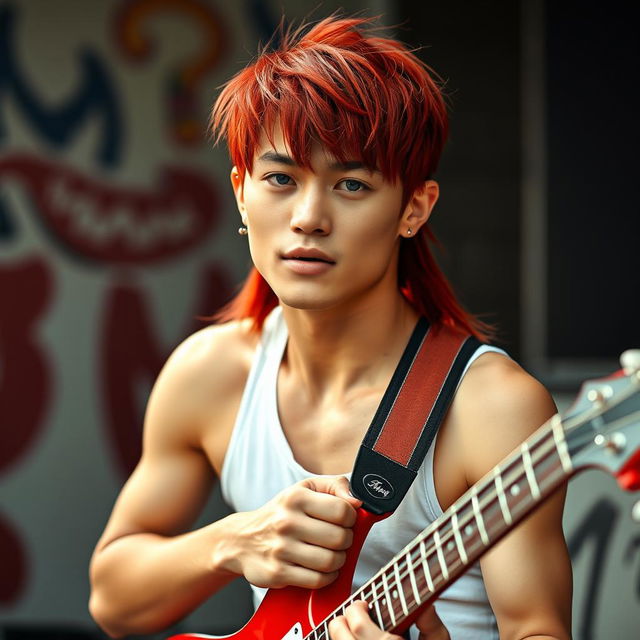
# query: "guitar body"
291,613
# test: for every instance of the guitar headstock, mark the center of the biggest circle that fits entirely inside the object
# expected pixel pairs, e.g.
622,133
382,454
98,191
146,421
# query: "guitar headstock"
602,428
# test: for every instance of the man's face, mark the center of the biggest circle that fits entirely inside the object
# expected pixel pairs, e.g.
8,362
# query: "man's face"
320,237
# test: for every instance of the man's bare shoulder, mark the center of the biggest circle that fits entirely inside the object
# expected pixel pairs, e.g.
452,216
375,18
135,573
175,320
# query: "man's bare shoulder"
218,353
203,377
498,406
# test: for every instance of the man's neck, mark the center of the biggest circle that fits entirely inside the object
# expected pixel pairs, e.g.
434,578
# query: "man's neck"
331,352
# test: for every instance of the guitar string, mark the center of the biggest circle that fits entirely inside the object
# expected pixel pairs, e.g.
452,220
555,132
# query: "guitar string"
507,474
541,451
459,563
541,437
415,559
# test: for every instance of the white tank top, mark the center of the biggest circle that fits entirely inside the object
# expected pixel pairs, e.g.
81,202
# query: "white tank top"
259,464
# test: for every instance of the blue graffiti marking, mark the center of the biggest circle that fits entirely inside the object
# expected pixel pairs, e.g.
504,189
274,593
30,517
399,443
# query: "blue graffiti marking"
7,229
630,555
58,125
596,529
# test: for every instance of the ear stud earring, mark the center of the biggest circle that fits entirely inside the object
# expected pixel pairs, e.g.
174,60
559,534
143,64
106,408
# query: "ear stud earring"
243,231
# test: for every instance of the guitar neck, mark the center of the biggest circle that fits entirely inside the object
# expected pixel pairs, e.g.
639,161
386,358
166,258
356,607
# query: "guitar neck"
470,527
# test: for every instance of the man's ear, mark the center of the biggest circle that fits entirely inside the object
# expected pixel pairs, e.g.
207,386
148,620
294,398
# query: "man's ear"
419,208
237,184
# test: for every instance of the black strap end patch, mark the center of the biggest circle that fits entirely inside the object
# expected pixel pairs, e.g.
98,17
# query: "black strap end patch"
379,482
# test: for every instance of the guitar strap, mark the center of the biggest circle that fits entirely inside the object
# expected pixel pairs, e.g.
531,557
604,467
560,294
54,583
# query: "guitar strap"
409,415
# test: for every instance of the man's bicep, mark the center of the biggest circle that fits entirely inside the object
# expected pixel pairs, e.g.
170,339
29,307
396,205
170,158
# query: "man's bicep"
528,576
173,477
163,496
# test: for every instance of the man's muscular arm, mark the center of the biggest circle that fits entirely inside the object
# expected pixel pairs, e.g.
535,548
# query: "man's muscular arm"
147,570
528,574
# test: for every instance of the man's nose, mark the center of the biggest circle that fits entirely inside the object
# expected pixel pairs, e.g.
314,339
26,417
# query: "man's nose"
310,213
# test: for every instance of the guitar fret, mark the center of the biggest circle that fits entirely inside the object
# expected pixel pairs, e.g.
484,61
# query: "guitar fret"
468,528
549,469
528,467
441,560
403,602
458,538
561,444
478,515
385,586
412,577
506,514
425,566
376,604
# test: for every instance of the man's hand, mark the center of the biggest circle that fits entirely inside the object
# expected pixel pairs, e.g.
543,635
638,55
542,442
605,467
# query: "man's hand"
356,624
298,538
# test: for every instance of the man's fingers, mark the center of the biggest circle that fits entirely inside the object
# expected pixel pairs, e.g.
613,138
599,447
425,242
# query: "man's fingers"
299,537
324,534
313,497
339,629
430,625
297,576
356,624
336,486
313,557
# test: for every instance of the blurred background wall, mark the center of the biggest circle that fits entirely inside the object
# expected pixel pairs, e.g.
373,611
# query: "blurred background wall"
117,230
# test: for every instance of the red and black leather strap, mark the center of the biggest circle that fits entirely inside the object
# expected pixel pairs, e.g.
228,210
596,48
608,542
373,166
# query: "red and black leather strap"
409,415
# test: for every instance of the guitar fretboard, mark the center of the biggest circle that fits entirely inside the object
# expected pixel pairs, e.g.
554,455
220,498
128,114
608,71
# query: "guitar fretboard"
473,524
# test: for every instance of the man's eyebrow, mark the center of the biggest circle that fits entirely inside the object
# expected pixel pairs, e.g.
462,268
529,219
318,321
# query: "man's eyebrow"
348,165
272,156
352,165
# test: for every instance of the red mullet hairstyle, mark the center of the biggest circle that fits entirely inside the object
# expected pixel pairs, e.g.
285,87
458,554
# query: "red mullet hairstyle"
352,92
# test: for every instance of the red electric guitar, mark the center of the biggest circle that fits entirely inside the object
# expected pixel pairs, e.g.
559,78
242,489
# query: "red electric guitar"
602,429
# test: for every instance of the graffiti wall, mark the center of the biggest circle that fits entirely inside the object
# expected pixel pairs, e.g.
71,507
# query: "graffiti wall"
117,232
114,237
604,542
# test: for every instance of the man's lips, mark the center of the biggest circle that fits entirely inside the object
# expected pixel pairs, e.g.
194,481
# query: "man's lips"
307,255
306,261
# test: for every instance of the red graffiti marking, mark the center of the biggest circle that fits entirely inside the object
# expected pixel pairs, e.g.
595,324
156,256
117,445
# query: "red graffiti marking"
25,380
13,559
183,83
25,391
117,225
132,355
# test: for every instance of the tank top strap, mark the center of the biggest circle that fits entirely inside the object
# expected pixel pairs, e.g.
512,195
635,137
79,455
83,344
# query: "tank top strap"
255,410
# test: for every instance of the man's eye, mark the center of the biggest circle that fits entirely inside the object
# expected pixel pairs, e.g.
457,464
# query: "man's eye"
281,179
353,185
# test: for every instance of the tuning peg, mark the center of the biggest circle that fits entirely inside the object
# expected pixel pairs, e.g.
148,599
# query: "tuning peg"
616,443
630,361
599,395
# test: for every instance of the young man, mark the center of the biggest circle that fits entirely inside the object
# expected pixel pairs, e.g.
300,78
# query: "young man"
334,139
